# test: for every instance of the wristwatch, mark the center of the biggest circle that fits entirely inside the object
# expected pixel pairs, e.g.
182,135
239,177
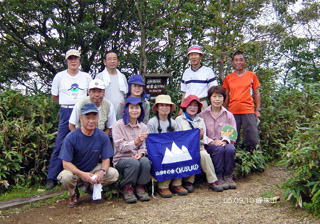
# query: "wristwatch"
103,170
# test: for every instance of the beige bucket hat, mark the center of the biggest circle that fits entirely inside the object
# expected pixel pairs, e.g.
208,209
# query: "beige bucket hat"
165,99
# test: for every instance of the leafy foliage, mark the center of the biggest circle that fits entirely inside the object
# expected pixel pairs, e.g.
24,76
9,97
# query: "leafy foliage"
39,32
302,155
27,131
247,162
290,131
283,112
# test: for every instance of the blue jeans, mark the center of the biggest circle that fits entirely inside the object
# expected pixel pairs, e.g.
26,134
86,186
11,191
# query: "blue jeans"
55,164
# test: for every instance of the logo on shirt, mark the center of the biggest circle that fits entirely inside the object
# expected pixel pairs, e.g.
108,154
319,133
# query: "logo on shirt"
75,88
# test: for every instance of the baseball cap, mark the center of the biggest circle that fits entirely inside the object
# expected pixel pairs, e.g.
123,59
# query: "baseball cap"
89,108
72,52
136,79
195,49
133,100
97,84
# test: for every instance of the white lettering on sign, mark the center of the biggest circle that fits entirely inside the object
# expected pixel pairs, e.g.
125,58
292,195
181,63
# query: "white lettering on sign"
178,170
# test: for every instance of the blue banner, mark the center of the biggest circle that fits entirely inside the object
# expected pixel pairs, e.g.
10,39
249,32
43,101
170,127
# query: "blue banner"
174,154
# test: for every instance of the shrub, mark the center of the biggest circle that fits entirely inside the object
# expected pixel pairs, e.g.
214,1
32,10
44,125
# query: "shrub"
28,126
301,154
300,150
247,162
286,109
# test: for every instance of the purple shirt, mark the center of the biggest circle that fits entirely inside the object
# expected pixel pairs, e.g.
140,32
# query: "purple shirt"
214,124
123,138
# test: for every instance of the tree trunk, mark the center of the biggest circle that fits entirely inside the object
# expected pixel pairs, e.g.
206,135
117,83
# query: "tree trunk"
143,37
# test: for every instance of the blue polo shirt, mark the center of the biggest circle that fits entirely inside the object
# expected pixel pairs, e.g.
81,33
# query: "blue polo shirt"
85,151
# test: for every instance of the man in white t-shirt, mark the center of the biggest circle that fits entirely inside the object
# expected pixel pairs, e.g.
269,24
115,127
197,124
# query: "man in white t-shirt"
115,82
107,115
197,79
68,87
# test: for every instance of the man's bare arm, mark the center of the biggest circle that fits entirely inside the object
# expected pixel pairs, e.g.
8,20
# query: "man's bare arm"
72,127
226,101
55,99
257,101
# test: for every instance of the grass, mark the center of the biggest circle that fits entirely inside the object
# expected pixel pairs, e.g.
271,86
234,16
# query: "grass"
20,192
36,204
269,194
112,192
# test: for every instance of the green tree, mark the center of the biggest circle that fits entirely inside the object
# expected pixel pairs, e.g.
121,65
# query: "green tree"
153,36
34,35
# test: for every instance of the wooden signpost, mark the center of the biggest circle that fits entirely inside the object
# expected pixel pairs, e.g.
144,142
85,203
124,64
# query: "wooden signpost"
156,83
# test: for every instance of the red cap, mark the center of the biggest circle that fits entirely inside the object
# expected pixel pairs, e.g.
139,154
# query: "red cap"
186,102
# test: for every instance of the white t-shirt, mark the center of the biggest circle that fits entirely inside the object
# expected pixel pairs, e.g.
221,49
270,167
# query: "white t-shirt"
198,82
75,115
113,92
70,88
116,87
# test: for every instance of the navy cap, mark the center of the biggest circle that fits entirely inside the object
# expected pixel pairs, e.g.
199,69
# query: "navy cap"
133,100
89,108
136,79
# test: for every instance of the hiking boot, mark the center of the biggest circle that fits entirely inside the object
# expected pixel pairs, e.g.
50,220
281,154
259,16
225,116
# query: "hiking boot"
74,199
223,183
164,192
181,191
229,181
216,186
50,184
189,187
141,193
128,194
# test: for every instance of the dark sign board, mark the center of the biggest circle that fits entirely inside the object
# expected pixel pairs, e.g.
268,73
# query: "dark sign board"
156,82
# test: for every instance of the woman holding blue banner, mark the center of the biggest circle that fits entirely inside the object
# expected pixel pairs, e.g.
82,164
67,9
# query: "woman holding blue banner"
220,142
162,123
129,136
189,119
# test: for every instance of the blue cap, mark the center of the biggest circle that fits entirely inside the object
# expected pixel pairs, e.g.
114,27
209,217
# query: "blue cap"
136,101
136,79
133,100
89,108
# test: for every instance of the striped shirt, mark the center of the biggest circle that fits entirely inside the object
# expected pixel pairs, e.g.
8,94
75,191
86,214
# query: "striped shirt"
198,82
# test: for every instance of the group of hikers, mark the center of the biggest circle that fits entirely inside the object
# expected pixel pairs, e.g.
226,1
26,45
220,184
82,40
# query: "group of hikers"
104,124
